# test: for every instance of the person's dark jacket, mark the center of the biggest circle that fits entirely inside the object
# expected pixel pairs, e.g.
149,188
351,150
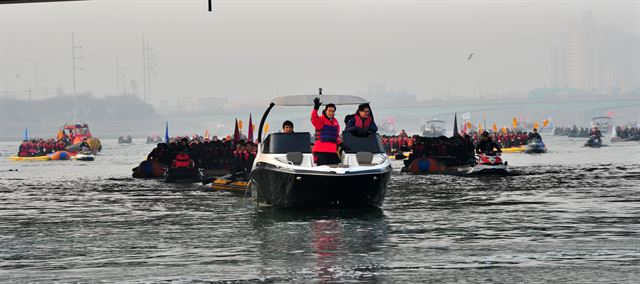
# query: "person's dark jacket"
487,146
535,135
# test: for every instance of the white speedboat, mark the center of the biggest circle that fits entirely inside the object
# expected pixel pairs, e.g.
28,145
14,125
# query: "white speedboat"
285,175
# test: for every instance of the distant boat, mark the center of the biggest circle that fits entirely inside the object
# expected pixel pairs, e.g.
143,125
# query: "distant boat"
434,128
603,123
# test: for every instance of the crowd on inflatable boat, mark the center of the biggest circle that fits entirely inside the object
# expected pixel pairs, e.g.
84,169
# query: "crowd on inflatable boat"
205,153
42,147
628,133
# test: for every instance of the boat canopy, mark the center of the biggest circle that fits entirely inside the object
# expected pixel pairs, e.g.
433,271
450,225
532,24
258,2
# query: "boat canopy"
307,100
601,118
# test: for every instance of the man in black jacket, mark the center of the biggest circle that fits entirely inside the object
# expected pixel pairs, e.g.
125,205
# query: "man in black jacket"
487,145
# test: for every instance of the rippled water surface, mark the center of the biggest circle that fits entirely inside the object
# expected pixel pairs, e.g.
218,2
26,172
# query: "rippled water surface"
572,215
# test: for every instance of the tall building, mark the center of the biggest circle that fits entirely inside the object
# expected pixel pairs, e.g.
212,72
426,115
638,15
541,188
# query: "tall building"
579,52
600,59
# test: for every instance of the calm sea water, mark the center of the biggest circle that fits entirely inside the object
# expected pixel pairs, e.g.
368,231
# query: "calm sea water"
572,215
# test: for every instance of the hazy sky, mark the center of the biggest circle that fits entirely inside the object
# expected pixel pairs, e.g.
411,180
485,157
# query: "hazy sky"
257,49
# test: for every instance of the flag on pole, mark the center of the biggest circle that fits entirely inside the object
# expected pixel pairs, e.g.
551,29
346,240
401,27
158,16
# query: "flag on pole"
266,128
236,133
250,133
455,125
26,133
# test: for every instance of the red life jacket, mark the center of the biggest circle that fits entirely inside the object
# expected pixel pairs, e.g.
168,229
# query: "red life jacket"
182,161
359,122
327,133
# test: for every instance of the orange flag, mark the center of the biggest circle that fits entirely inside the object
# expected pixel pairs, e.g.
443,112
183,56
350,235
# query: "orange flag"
515,123
495,128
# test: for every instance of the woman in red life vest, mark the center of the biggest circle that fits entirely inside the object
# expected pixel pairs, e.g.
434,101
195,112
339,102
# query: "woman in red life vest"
183,160
361,123
327,134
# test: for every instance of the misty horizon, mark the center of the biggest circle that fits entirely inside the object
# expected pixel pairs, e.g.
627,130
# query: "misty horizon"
248,50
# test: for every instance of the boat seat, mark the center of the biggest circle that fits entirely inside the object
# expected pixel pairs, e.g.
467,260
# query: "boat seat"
295,157
364,158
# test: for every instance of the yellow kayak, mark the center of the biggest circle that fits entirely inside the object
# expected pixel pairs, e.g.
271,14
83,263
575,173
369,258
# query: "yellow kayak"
513,150
38,158
230,185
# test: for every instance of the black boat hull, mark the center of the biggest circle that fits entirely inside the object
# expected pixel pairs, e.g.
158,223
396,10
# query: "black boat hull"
183,175
273,187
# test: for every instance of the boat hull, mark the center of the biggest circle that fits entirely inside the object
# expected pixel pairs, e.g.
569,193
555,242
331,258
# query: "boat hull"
183,175
283,189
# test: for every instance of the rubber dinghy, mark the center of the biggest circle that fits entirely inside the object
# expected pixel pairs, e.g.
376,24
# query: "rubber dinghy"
284,174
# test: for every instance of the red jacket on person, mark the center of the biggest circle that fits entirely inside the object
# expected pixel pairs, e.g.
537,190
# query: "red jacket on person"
327,133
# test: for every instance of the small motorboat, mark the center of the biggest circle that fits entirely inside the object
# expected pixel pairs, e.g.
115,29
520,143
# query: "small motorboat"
489,164
535,146
594,142
284,174
183,175
125,140
83,157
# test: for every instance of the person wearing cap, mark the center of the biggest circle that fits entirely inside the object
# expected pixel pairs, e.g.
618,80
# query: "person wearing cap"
487,145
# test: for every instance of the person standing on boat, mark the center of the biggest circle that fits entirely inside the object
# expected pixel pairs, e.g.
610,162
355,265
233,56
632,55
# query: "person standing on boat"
361,123
327,134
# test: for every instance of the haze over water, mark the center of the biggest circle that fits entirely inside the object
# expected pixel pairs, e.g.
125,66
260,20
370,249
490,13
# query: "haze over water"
572,215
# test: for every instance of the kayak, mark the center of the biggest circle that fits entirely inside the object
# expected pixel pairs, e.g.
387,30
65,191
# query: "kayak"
38,158
513,150
226,184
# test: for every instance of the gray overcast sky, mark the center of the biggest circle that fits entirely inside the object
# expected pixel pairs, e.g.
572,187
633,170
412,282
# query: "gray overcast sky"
250,49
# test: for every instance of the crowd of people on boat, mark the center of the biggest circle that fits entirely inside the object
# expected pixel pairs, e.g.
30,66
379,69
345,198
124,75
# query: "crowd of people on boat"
403,143
628,133
573,131
209,154
40,147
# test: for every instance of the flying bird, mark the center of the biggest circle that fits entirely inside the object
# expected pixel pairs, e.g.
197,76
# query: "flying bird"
470,55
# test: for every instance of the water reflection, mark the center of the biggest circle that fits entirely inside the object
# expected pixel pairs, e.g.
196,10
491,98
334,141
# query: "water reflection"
323,245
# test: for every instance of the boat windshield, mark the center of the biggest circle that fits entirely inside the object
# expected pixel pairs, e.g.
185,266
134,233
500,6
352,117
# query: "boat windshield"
356,144
282,143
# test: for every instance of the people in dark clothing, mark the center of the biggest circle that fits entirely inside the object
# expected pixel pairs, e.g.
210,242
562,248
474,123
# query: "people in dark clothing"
487,145
361,123
535,135
595,132
327,134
